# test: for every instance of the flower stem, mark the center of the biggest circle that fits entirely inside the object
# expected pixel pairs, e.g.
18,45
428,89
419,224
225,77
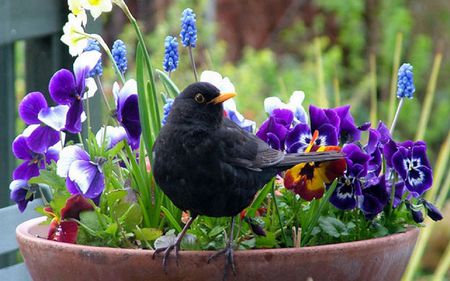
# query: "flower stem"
193,63
283,234
100,86
397,113
88,113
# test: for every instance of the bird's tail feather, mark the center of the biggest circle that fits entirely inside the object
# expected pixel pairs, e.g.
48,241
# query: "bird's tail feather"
293,159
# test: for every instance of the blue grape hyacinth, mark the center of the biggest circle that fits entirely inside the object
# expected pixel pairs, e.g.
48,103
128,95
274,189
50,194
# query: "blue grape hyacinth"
170,62
188,28
405,84
98,69
119,52
167,108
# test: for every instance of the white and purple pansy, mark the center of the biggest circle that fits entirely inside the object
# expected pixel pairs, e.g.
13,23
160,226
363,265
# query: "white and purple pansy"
83,175
411,163
67,88
294,105
45,121
127,110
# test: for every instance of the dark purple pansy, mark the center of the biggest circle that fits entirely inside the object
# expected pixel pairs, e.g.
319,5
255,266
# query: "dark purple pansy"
67,88
273,131
327,122
349,185
416,213
385,135
373,148
127,111
348,132
22,193
30,110
33,161
411,163
83,176
374,198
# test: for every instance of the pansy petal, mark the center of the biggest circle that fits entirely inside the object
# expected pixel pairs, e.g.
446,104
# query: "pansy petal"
73,120
20,148
52,155
343,197
419,153
54,117
320,116
67,156
113,136
18,194
419,180
91,87
272,103
62,87
328,135
30,106
347,128
42,138
389,149
299,134
74,206
372,143
26,171
72,187
82,66
283,116
131,121
400,162
88,178
385,135
273,141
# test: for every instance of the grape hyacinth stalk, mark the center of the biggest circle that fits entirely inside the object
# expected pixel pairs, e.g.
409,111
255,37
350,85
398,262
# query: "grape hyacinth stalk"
188,34
405,89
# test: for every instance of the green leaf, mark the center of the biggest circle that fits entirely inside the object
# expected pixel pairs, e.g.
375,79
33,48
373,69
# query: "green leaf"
172,89
112,229
171,219
216,231
115,196
147,234
256,204
132,217
332,226
49,178
91,220
268,241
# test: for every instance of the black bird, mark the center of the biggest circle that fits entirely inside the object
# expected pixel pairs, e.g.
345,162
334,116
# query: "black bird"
208,165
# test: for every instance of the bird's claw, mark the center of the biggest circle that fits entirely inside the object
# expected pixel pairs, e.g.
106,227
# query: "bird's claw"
229,259
167,251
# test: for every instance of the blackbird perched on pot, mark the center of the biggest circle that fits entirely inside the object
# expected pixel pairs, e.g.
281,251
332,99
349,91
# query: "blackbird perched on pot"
208,165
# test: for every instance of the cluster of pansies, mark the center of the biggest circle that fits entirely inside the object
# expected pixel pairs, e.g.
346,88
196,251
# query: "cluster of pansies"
110,172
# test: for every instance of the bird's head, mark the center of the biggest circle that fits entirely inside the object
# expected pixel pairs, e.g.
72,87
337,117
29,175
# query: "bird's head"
200,101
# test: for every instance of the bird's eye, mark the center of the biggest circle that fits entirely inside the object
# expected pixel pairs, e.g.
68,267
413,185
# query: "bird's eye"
199,98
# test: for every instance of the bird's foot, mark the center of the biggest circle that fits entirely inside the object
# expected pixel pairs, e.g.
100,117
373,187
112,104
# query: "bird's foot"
229,259
175,246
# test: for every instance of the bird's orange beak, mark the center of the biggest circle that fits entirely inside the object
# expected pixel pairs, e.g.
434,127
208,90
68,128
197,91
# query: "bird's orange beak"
222,97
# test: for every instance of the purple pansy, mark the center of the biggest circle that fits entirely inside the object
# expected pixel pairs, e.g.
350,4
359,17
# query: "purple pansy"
67,88
374,198
230,109
274,130
127,110
374,150
83,176
33,110
411,163
349,186
326,121
432,211
33,162
294,105
22,193
348,132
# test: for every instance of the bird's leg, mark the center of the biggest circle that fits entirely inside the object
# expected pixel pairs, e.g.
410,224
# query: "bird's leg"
175,246
228,252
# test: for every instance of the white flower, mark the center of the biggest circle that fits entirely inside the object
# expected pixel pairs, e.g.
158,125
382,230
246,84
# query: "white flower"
113,136
223,84
73,35
76,7
97,7
294,105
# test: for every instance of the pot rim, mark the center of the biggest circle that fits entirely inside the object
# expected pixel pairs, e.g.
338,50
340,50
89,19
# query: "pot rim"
24,236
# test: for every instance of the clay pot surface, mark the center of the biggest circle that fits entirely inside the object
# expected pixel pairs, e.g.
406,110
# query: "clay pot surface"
375,259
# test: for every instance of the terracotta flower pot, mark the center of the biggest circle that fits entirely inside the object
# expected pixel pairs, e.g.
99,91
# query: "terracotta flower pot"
376,259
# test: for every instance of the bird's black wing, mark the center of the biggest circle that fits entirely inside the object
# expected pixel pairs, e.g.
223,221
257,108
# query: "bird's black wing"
243,149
